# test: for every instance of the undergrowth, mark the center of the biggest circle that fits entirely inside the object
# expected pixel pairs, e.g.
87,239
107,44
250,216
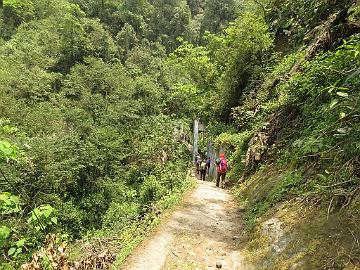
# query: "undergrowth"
124,237
323,154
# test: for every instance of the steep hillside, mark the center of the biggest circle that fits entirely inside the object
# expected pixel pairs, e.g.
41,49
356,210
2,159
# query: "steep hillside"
97,100
297,155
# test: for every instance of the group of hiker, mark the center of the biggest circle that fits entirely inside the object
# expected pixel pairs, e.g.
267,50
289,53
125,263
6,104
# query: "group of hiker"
203,168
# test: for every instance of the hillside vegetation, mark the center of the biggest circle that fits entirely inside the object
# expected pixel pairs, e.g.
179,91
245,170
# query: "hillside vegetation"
97,100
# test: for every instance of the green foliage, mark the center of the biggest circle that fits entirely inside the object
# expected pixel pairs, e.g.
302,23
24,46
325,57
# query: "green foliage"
217,14
268,97
88,121
293,19
239,143
121,215
329,106
151,189
7,152
42,217
4,234
238,140
92,92
327,132
9,204
17,249
16,12
191,76
239,51
17,237
290,185
169,21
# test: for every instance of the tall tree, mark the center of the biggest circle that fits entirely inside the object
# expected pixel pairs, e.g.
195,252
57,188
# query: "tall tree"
169,21
217,14
196,6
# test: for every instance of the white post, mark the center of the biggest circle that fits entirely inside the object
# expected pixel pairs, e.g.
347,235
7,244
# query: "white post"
196,138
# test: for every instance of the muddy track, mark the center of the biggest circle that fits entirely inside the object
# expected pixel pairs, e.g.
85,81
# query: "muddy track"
201,233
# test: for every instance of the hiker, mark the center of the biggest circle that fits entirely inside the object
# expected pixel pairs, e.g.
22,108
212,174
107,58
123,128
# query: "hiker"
221,164
208,165
197,162
203,169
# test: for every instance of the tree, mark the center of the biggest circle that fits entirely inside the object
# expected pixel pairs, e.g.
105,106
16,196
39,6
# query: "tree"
239,51
190,74
16,12
196,6
169,21
126,40
217,14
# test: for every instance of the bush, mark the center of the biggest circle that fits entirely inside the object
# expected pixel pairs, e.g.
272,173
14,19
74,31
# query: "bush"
121,215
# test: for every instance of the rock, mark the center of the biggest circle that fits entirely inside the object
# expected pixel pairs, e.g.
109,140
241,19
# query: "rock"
218,265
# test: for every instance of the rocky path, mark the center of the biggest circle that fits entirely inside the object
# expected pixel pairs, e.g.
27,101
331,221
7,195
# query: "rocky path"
201,234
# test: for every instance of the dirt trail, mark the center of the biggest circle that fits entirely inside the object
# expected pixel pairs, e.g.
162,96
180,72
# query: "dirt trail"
202,232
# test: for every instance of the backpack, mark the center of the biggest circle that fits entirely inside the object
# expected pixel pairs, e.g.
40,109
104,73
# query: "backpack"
217,161
203,165
223,166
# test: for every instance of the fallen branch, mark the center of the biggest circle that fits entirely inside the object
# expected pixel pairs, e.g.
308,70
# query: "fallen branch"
174,254
338,184
329,208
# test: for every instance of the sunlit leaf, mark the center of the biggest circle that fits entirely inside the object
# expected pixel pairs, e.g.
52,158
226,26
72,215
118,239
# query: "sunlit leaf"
342,94
11,251
54,220
333,103
4,233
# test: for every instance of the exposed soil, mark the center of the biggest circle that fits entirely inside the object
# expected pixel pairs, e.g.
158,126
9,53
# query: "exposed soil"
203,232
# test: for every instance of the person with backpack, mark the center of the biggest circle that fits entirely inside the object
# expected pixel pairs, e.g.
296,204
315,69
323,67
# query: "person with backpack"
208,165
202,168
222,166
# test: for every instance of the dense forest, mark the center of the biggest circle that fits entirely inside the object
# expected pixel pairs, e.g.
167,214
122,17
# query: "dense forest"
97,100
